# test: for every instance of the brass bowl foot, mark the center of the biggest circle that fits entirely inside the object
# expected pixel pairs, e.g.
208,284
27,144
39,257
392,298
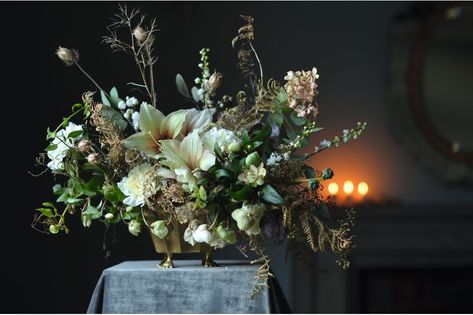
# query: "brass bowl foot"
166,262
208,261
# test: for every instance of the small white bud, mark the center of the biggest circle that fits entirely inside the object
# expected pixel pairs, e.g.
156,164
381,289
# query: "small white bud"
121,105
109,216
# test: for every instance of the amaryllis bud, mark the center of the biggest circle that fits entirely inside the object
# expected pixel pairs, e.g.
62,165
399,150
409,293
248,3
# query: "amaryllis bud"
83,146
215,81
140,34
68,56
93,158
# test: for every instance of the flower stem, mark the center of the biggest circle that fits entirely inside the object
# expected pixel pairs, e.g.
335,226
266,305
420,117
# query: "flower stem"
91,79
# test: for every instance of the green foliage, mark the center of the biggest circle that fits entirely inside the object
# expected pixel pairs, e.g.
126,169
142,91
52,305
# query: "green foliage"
271,195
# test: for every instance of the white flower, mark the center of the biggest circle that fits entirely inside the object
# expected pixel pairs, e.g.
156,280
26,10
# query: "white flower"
133,185
274,159
253,175
135,116
248,217
131,101
128,113
325,144
122,105
134,227
221,137
203,235
189,232
186,158
63,144
109,216
159,229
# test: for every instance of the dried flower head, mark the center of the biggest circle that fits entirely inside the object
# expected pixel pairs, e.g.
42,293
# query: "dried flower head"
301,90
215,81
68,56
140,34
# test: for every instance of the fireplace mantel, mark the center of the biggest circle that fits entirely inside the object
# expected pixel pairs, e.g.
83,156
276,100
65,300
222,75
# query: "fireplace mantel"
388,237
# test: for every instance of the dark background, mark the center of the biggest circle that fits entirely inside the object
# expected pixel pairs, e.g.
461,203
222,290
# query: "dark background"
349,44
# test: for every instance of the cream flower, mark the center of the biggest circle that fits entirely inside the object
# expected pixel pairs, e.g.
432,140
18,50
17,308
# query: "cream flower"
248,217
220,137
203,235
155,127
159,229
253,175
134,227
189,232
301,90
132,186
186,158
63,145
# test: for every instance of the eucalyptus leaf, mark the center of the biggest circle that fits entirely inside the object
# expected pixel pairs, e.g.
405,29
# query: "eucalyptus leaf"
271,195
195,94
182,86
104,98
115,117
298,121
276,118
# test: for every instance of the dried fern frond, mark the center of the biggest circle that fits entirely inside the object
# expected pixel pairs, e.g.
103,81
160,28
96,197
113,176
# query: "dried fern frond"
263,274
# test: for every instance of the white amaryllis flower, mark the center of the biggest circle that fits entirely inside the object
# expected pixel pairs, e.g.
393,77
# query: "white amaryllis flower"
189,232
248,217
132,186
63,144
220,137
253,175
155,127
187,158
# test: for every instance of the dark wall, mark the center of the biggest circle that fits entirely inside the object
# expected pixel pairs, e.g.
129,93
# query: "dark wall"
348,42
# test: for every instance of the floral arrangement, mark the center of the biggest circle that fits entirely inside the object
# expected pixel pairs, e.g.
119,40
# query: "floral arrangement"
228,168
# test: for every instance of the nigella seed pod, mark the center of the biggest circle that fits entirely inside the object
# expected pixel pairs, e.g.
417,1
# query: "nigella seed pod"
54,229
140,34
93,158
83,146
68,56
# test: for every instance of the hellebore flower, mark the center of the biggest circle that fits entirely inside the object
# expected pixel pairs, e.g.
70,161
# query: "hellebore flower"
159,229
134,227
254,175
248,217
189,232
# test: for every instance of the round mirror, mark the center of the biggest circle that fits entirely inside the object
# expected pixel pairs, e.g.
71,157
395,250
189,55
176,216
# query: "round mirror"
432,88
442,74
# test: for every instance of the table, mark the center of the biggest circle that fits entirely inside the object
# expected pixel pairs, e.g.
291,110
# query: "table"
142,287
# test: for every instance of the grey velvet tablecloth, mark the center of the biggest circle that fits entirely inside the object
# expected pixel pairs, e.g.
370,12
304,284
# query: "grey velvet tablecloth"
141,287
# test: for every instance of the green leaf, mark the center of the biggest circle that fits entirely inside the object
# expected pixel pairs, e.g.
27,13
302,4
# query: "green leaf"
105,99
77,106
298,121
71,200
50,134
48,204
195,95
113,193
115,117
242,194
245,138
276,118
46,212
75,134
271,195
182,86
93,212
281,99
114,97
58,189
291,134
202,181
51,147
222,173
309,172
263,134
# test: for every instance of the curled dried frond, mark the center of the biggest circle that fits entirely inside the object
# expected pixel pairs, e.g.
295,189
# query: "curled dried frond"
264,272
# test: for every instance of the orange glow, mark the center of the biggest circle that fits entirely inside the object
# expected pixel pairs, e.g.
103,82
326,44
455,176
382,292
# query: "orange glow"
332,188
348,187
362,188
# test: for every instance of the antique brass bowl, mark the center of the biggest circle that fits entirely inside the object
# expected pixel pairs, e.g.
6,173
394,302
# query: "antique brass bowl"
174,244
